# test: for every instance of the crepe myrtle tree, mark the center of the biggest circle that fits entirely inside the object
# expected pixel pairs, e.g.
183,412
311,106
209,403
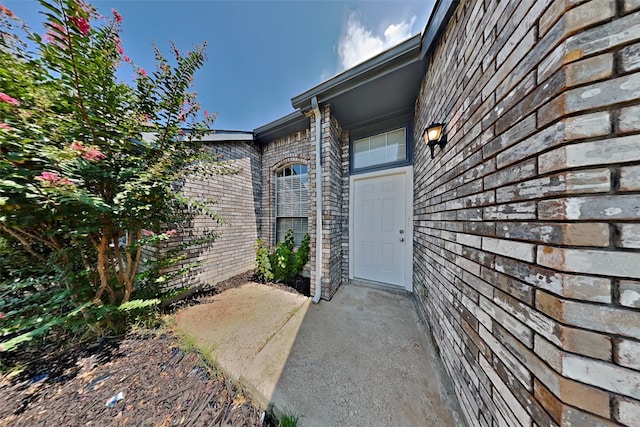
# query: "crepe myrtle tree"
90,168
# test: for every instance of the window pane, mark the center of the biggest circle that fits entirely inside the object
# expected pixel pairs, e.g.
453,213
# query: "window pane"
292,201
383,148
378,149
297,225
361,153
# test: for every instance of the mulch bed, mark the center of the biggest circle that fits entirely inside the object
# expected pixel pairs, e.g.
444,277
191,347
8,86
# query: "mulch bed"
139,380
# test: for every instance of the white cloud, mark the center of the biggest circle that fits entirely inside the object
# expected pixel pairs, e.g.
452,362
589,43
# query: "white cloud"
358,43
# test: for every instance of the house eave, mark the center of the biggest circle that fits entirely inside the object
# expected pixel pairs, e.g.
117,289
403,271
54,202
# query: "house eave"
287,125
386,62
227,136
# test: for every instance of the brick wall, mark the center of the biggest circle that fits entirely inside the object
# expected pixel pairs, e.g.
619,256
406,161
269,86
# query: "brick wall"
526,260
276,154
334,141
238,197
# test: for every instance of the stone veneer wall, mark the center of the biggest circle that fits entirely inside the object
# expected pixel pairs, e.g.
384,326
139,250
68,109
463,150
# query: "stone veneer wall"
276,154
527,230
238,198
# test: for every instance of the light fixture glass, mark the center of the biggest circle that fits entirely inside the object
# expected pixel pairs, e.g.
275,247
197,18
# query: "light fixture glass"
434,135
434,132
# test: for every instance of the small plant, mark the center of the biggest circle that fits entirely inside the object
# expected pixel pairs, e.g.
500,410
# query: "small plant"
282,263
288,420
285,420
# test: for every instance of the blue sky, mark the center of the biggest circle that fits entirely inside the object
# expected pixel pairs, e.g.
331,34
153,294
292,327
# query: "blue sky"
260,53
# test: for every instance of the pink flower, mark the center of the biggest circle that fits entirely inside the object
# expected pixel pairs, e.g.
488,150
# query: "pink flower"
117,15
147,233
53,178
171,232
142,72
9,13
5,126
94,154
56,34
48,176
77,146
64,181
9,100
126,59
82,23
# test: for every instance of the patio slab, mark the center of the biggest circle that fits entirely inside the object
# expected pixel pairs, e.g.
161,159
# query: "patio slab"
363,358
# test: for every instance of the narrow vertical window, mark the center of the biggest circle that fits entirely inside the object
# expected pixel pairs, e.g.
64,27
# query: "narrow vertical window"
292,202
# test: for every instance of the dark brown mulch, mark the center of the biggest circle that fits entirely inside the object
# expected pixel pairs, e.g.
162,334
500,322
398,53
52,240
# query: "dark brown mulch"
161,385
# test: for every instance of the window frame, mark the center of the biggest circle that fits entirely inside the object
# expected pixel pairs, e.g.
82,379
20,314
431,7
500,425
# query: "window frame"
305,208
379,129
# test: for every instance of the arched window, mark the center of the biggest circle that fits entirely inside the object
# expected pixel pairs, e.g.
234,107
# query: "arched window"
292,201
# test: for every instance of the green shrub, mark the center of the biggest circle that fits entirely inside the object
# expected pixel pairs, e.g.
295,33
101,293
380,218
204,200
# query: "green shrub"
282,263
82,189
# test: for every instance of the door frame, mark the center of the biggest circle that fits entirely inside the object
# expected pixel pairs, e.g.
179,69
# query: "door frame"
407,171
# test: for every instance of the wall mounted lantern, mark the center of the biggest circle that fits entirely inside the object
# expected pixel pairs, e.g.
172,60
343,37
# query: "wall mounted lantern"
434,135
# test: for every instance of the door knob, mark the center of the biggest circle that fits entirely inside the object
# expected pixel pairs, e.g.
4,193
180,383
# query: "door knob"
401,231
402,239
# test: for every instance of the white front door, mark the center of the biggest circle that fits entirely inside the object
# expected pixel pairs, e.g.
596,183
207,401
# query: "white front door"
379,229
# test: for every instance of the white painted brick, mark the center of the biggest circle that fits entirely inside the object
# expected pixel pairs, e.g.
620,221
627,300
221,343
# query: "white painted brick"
522,210
587,125
587,288
522,416
629,293
630,177
628,412
618,207
628,353
612,320
607,151
631,5
631,57
531,318
510,323
510,248
602,94
629,119
630,235
604,37
468,265
589,13
590,69
608,263
548,352
469,240
601,374
482,317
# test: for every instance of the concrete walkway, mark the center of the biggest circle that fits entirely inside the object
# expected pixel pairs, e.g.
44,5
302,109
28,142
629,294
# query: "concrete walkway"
363,358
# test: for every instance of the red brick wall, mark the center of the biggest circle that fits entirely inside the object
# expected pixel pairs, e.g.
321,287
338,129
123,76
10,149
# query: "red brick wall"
527,228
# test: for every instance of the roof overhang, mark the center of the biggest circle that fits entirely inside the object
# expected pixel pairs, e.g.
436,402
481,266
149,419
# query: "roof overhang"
227,135
382,87
287,125
440,15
